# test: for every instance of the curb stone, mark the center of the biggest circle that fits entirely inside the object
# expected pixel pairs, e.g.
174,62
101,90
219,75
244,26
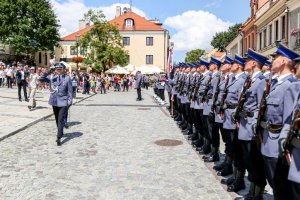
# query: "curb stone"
37,121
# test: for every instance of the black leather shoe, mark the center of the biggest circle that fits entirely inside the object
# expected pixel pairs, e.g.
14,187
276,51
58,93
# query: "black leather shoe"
20,99
58,142
195,142
206,156
227,181
27,100
227,170
236,186
205,150
67,126
220,166
212,158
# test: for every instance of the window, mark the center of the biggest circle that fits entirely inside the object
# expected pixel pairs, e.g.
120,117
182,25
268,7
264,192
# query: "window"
260,40
252,37
299,20
246,44
149,59
73,50
149,41
129,23
126,41
283,27
83,51
276,31
249,41
270,34
265,37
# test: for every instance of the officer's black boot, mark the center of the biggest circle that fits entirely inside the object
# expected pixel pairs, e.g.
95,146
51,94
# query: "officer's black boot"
205,148
230,180
227,169
194,136
214,156
238,184
186,131
250,195
220,166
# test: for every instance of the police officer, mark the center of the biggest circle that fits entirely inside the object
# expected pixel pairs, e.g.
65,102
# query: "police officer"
278,111
208,114
247,120
294,169
61,96
229,125
202,143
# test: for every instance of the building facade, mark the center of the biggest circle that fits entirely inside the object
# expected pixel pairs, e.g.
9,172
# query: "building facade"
235,47
146,41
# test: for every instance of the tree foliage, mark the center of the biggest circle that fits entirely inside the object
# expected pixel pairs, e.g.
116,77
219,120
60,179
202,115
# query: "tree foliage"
222,39
28,25
194,55
104,42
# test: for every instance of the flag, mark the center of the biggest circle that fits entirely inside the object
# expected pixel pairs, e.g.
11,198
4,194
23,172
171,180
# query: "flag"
170,61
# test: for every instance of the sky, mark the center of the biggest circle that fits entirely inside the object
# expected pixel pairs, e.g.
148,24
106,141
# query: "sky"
191,23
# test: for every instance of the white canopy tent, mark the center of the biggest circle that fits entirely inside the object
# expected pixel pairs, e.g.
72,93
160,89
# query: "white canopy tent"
117,70
148,70
130,67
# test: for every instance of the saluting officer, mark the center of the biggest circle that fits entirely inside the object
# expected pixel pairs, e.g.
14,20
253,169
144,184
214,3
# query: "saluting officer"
278,110
61,96
208,114
235,183
248,117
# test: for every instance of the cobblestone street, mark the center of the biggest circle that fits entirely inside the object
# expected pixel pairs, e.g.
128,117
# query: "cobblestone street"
109,152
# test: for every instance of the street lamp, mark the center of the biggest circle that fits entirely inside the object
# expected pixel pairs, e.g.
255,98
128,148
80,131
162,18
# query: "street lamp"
77,45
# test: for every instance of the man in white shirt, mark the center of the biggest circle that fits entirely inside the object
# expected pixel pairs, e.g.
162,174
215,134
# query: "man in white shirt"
9,76
32,85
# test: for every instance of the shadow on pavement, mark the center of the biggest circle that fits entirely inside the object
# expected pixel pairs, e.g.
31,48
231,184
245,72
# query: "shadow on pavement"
74,123
70,136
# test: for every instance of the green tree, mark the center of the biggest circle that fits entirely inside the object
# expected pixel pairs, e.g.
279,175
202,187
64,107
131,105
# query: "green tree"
28,25
104,42
194,55
222,39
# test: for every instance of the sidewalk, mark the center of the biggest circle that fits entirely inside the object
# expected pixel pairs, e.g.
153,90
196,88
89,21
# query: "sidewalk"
15,115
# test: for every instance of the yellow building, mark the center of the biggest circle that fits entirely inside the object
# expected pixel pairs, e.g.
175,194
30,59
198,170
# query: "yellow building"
146,41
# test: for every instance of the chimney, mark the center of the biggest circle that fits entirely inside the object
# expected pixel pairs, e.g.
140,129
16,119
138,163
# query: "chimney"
83,24
118,11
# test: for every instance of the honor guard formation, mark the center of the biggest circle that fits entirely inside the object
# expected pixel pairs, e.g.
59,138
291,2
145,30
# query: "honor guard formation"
254,105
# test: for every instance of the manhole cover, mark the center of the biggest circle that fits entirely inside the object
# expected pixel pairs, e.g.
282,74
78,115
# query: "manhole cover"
144,108
168,142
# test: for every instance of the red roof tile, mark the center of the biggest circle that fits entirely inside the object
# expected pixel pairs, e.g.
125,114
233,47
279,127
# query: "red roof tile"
139,24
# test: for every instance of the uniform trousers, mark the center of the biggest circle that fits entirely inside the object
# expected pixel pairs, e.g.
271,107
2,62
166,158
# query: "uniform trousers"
179,106
215,140
175,106
201,124
187,112
161,94
59,113
254,163
139,93
234,149
295,187
22,85
277,173
207,127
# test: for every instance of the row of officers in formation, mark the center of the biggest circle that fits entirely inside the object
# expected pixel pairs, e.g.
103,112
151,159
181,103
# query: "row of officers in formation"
254,105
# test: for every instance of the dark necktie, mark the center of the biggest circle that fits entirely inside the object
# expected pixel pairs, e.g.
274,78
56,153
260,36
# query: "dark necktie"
274,81
233,78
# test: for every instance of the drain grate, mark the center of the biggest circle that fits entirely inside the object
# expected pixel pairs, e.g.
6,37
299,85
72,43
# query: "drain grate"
168,142
144,108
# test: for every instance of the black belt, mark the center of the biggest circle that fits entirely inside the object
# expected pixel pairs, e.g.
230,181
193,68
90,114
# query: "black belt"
246,114
230,106
273,128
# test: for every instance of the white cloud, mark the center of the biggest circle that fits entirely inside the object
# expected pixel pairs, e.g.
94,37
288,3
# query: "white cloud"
195,29
71,11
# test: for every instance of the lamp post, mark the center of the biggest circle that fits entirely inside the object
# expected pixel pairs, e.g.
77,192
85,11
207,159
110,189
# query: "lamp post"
77,45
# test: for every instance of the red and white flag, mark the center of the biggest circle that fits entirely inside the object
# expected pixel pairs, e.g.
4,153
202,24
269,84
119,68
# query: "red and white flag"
170,61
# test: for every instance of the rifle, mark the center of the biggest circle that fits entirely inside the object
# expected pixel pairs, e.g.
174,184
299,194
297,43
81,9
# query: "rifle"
295,126
206,89
182,84
194,96
242,99
262,109
224,96
216,94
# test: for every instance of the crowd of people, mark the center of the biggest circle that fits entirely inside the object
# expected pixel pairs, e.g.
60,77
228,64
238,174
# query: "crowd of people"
253,105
